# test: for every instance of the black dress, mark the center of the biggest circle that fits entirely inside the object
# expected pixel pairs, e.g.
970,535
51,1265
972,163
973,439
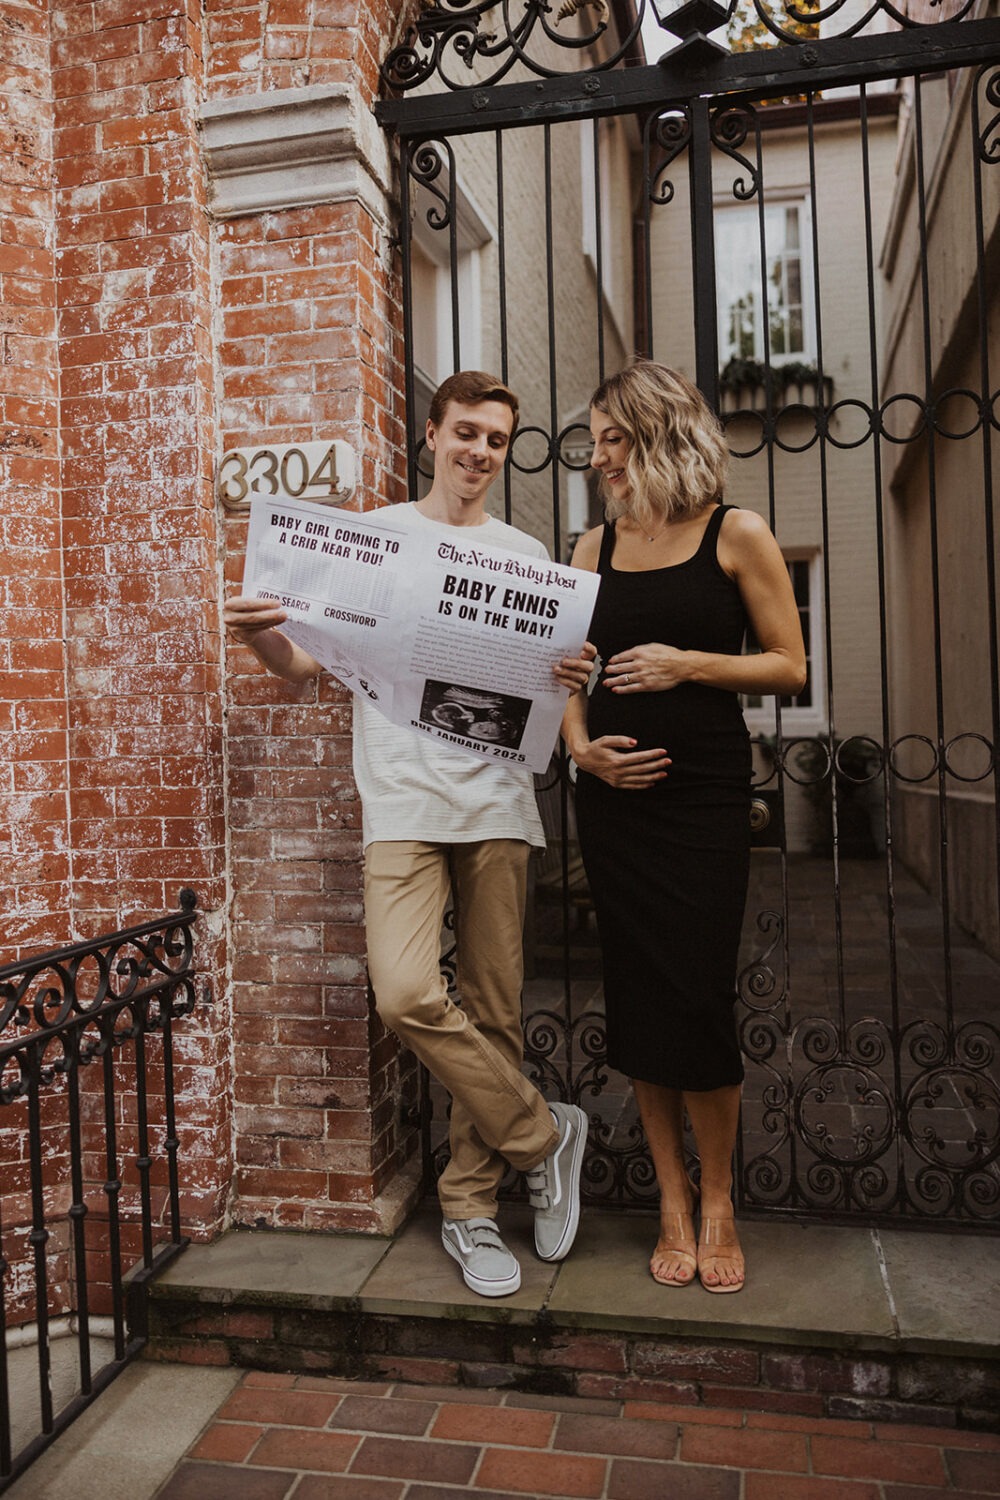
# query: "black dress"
668,866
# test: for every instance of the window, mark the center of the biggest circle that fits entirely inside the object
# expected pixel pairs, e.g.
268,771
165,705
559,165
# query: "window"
433,276
784,284
584,507
805,713
604,155
596,217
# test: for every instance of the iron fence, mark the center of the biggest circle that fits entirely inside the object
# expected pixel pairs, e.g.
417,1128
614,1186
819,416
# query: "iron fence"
91,1200
867,993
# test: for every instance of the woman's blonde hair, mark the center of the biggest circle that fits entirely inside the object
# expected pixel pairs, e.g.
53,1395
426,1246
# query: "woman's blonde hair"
677,455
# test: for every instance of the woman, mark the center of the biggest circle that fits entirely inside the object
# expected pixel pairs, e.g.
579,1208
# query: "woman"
663,790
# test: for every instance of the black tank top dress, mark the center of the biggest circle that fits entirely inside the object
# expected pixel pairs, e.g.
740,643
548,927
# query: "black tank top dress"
668,866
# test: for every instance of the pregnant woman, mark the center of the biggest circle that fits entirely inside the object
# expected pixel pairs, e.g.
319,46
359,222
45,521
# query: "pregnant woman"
663,785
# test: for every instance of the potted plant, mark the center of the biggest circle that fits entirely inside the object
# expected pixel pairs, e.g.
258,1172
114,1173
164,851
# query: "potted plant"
743,381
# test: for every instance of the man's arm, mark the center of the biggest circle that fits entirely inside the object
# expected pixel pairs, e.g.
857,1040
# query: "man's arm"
254,623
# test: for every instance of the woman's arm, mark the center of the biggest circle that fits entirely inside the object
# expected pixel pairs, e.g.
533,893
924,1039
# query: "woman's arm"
254,622
748,552
611,756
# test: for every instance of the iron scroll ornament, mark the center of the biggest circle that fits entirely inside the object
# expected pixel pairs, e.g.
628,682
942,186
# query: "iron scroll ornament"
669,135
788,21
729,127
473,44
66,1008
988,132
894,1158
487,38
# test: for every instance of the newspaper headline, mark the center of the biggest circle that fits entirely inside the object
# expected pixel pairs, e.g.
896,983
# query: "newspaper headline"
450,638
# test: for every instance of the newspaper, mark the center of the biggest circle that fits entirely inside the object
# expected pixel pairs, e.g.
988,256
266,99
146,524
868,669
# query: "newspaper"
448,637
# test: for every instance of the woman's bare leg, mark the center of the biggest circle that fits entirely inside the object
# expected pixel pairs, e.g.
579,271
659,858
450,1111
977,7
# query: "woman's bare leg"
714,1117
662,1113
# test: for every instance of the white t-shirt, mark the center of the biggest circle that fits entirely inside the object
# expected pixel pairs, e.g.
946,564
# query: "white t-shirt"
417,788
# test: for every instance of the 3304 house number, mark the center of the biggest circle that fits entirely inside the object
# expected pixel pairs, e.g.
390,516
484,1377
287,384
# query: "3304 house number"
308,471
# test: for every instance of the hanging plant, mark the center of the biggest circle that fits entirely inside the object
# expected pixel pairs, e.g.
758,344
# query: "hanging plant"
736,374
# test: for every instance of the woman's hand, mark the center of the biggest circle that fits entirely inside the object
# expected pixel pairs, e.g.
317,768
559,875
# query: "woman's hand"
247,618
613,759
647,669
573,672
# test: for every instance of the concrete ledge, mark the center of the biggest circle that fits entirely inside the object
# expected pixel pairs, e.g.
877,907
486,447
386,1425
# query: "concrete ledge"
292,148
834,1321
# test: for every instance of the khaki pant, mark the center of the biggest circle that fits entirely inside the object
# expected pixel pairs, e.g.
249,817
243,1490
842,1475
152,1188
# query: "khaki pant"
475,1050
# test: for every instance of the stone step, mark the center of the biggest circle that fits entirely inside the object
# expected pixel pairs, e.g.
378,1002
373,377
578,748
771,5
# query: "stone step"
835,1321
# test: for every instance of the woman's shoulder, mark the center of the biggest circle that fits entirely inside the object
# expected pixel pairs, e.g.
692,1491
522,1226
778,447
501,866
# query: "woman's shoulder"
739,525
587,552
743,536
736,519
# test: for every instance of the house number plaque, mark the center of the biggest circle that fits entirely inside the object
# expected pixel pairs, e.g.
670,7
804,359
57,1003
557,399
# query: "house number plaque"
321,471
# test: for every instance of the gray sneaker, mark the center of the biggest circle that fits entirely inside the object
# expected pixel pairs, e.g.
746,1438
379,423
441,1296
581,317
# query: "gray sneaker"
554,1185
487,1265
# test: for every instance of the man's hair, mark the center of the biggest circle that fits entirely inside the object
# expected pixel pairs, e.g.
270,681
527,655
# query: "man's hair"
469,388
677,455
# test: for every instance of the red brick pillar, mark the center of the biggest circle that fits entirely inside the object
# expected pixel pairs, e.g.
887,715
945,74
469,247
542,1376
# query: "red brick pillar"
34,811
34,804
307,299
139,532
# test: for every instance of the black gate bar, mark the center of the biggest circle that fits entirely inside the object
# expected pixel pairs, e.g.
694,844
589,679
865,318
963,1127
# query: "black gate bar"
827,63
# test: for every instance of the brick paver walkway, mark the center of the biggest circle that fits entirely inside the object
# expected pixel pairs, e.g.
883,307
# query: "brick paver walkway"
318,1438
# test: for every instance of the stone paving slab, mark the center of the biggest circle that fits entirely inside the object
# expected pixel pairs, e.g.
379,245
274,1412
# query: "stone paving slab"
284,1266
822,1285
417,1277
945,1289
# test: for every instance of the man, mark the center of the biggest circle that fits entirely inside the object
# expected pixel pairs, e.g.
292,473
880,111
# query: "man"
438,821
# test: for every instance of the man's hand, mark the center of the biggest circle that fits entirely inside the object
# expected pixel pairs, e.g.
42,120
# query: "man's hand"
573,672
254,623
246,618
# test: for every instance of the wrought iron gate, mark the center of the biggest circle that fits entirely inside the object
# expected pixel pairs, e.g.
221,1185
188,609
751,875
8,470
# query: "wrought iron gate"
811,228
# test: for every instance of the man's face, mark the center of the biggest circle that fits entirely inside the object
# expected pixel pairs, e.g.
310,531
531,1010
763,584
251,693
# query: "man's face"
470,446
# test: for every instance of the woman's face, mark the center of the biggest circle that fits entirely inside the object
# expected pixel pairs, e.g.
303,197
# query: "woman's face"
610,447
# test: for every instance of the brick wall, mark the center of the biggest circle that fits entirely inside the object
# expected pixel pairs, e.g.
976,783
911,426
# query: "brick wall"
291,43
548,1357
137,443
140,755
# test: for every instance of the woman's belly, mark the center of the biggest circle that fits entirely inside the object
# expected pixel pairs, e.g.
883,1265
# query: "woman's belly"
700,728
